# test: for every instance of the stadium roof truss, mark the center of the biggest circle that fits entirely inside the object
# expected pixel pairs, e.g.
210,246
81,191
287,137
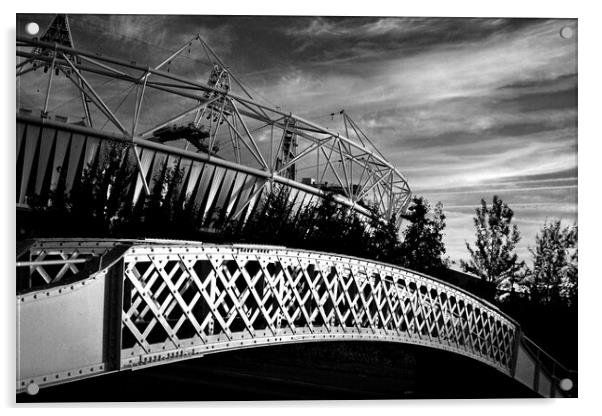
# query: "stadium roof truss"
239,127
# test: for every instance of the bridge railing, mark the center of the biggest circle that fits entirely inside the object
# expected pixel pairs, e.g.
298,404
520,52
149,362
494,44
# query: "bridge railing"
541,372
206,298
49,262
155,302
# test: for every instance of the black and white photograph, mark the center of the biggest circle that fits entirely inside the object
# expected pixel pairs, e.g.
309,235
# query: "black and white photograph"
217,208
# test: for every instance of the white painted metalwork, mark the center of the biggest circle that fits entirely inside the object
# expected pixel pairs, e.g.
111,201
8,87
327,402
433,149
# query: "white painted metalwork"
54,260
156,302
52,154
358,171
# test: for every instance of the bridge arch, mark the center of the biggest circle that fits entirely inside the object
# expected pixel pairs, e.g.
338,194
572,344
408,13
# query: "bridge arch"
119,305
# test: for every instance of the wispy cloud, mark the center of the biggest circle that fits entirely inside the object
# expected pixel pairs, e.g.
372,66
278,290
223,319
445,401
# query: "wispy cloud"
524,205
500,190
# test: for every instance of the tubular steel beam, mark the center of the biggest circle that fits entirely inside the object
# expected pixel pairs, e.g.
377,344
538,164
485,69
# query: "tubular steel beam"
157,148
203,87
244,109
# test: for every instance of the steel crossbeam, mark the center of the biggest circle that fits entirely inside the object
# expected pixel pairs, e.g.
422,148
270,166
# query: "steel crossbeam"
51,261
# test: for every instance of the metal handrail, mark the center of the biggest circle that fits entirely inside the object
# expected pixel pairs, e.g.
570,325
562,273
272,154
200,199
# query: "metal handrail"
50,262
539,350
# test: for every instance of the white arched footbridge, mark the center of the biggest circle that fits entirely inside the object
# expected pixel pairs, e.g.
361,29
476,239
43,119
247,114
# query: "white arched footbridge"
90,307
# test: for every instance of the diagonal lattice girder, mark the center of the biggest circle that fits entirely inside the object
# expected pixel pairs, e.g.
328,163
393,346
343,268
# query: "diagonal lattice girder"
153,302
227,295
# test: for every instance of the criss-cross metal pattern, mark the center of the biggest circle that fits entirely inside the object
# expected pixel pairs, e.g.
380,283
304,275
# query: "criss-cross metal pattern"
259,143
139,303
194,299
49,262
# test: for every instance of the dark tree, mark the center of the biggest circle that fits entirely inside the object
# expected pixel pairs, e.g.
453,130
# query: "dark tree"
333,228
321,226
383,243
270,223
159,213
493,257
93,204
422,248
555,263
99,204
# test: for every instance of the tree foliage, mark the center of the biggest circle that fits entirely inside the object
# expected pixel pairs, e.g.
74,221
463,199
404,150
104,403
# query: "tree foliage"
323,226
93,204
555,263
493,257
99,205
422,247
383,239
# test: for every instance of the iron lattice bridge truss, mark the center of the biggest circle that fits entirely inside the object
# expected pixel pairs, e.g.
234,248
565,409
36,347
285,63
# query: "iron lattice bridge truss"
90,307
222,125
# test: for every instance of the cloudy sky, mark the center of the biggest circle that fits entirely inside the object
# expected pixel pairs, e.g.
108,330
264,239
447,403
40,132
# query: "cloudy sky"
465,108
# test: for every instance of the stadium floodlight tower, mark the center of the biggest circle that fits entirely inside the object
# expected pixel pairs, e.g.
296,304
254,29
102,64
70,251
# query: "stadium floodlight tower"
230,146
